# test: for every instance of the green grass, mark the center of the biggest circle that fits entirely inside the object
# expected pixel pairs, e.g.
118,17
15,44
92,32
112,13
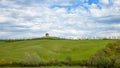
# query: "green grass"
49,67
50,49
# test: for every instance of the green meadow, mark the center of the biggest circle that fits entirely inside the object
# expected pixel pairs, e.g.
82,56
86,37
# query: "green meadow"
48,50
49,67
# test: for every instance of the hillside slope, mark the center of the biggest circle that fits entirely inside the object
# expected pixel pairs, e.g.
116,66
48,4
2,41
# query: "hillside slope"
48,50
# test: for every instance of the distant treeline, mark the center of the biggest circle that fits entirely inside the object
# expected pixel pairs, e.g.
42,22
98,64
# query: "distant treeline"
53,38
42,38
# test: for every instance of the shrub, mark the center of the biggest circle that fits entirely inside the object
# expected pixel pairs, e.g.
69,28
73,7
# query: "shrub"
68,60
3,62
117,63
101,62
55,62
32,60
107,57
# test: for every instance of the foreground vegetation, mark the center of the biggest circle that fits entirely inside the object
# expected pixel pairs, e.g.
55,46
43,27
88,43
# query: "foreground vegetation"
49,67
50,52
109,57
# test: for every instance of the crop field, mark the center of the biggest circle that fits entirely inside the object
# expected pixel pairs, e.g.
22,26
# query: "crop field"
49,50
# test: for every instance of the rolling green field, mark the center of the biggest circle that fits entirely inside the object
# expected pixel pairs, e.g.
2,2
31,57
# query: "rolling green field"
48,67
47,50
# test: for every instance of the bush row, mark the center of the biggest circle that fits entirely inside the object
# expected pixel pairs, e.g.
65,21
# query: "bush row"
34,61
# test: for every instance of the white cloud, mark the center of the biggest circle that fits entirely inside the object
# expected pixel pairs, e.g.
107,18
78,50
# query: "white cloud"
95,11
116,2
104,1
2,19
4,33
58,21
116,25
108,34
104,11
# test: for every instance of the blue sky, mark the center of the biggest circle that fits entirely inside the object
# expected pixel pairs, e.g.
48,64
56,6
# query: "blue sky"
61,18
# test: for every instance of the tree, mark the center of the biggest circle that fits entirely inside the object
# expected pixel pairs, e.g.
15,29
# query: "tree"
47,34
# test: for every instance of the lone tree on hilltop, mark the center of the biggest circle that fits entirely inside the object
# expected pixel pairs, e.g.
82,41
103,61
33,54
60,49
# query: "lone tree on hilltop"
47,34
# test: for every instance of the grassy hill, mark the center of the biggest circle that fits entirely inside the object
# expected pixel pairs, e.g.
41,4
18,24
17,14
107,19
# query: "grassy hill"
48,50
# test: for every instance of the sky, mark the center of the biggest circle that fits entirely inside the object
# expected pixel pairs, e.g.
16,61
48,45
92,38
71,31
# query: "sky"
60,18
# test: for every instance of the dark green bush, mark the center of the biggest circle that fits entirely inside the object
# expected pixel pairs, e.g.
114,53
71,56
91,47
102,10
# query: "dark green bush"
101,62
117,63
109,57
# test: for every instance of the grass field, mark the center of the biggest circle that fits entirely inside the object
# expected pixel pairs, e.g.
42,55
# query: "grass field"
48,67
49,50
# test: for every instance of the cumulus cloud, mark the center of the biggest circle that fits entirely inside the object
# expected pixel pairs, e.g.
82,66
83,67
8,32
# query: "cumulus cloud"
104,1
70,18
